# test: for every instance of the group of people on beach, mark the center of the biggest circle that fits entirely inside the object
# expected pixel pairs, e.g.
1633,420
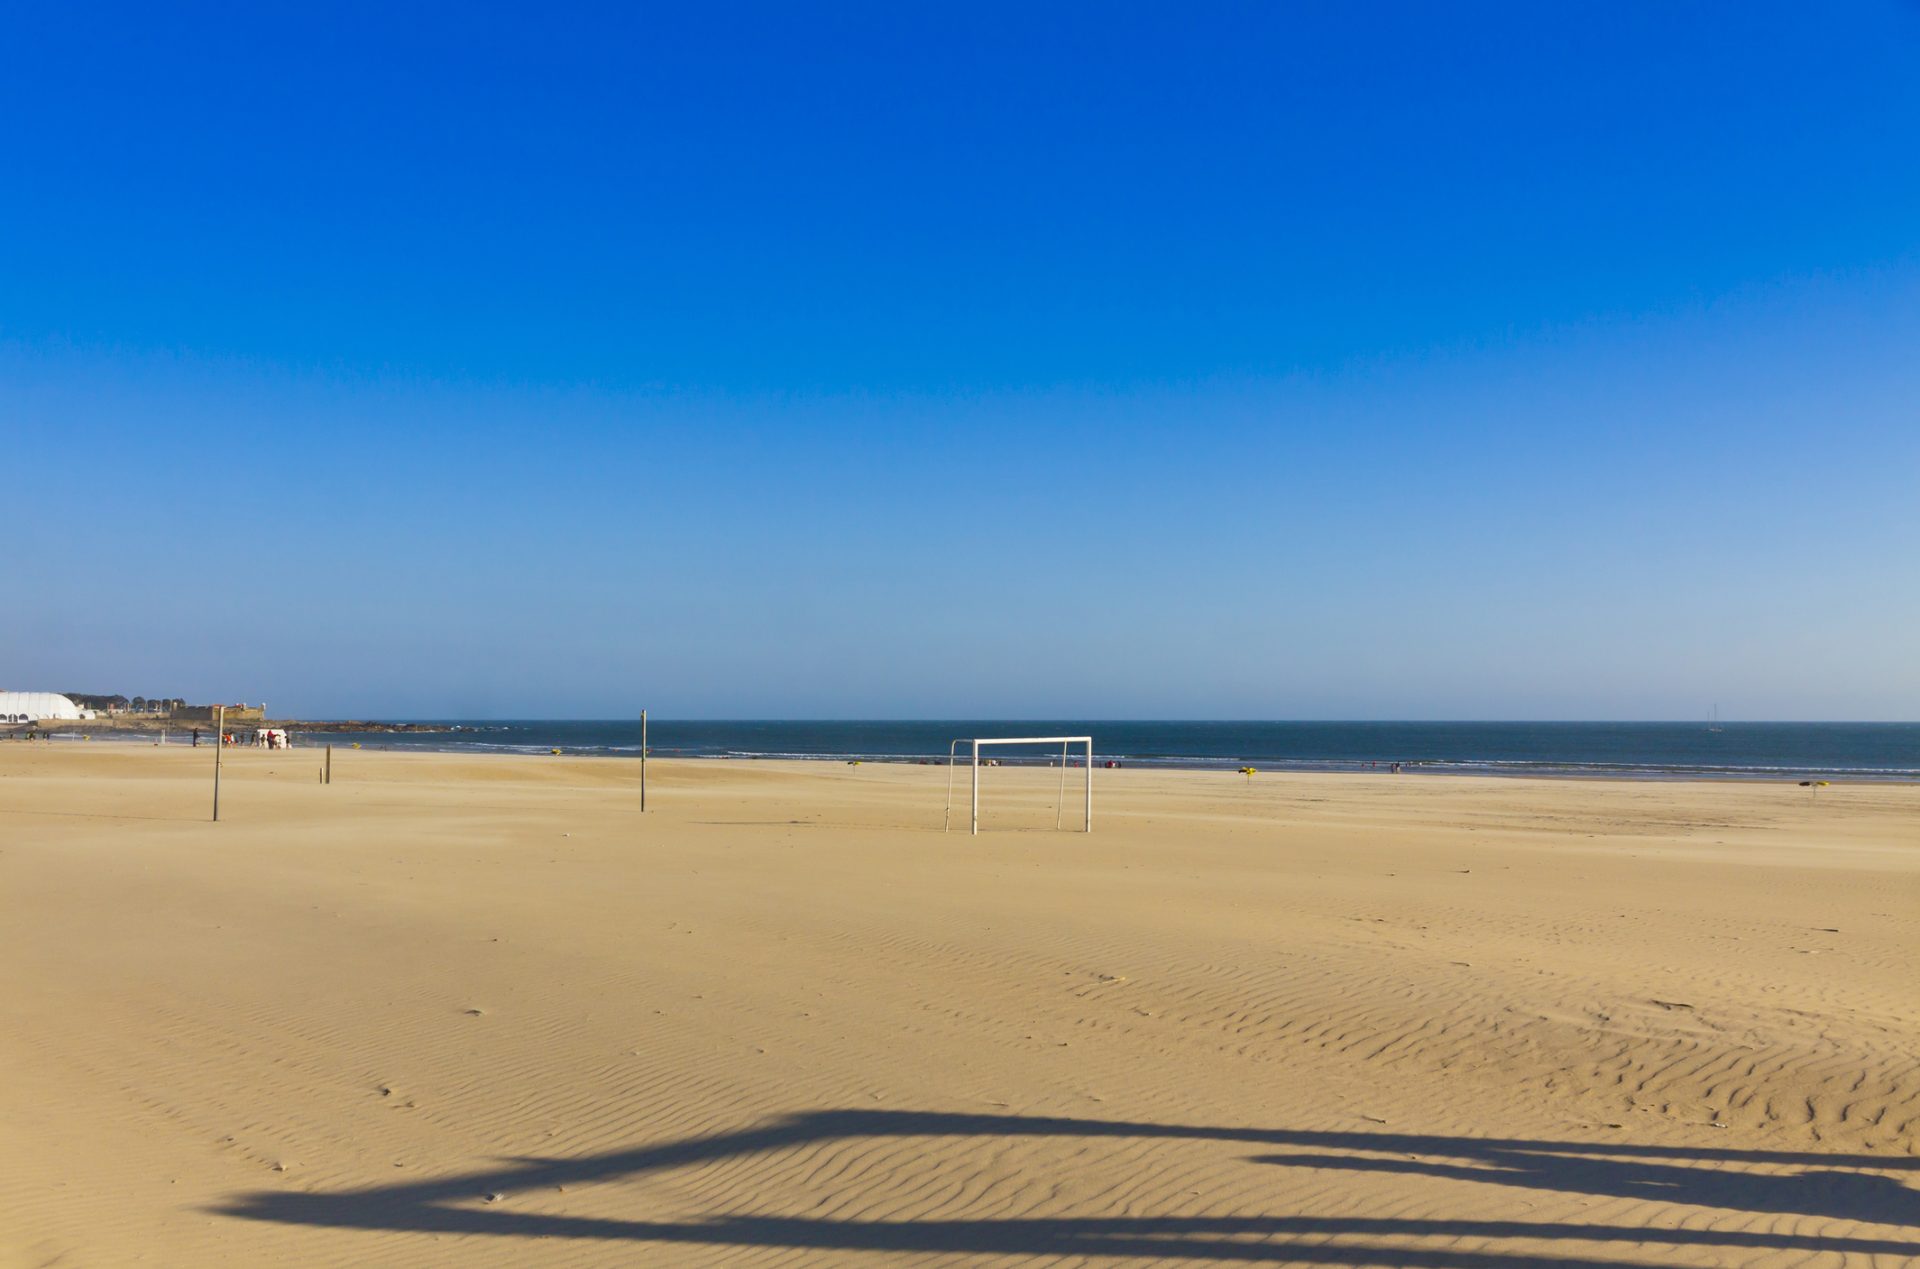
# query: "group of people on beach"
265,738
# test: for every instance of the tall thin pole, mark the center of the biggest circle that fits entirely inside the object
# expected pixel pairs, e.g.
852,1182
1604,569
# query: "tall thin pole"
643,762
1089,784
946,825
219,744
976,788
1060,803
329,764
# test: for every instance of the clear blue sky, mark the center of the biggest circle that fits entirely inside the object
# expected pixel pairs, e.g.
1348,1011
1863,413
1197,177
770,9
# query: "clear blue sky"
1265,360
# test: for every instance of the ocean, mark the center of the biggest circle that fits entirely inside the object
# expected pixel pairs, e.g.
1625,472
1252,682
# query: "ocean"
1852,751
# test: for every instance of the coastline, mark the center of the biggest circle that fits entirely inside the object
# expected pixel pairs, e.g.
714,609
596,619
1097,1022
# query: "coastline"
118,726
1659,752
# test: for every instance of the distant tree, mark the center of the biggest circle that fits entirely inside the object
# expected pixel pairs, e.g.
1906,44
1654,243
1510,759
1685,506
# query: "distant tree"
139,703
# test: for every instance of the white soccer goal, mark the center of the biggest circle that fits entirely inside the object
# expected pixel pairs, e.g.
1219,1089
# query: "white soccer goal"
1059,809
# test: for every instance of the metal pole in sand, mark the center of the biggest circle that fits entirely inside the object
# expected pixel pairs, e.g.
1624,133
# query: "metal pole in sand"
219,743
975,828
329,779
643,762
1060,803
947,824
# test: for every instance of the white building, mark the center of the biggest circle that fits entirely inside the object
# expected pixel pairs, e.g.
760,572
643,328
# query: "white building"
34,707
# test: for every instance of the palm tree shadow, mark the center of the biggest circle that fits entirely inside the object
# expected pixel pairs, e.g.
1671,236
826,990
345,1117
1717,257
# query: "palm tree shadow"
1852,1188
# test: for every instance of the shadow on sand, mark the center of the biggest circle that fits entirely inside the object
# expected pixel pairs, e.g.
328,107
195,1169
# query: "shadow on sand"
1853,1188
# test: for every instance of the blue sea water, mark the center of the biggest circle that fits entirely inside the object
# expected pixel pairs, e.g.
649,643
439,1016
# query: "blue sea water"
1880,751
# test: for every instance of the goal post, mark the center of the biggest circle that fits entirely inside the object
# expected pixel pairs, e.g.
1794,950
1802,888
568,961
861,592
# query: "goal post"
976,743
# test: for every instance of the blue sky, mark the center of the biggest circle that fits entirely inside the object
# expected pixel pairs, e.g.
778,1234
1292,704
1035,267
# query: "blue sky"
1271,360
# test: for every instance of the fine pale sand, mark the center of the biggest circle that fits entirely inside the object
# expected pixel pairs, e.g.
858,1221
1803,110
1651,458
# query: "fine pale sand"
462,1011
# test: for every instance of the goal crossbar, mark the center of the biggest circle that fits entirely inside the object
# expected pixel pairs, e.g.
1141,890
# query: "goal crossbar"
976,742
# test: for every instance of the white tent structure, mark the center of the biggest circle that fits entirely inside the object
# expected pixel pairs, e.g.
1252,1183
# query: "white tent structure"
38,707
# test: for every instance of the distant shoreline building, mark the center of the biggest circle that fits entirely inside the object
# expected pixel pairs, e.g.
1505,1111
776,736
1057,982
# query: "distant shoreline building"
39,707
206,713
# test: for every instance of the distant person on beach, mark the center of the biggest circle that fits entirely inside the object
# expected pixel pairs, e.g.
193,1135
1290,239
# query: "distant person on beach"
196,737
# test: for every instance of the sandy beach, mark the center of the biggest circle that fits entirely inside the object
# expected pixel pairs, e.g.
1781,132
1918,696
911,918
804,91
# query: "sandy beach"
478,1011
